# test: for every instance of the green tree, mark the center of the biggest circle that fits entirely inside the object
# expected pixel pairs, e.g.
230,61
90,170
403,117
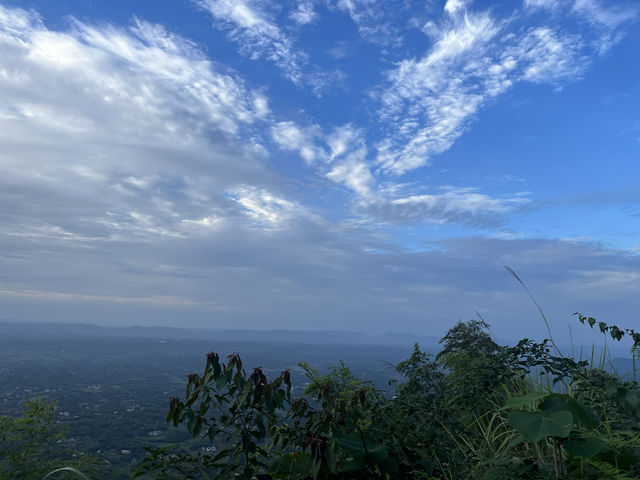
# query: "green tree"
417,415
472,337
33,445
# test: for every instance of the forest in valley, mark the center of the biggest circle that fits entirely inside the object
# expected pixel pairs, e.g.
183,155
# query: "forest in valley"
473,409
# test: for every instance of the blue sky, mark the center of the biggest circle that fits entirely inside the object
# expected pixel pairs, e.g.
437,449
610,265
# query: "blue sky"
319,164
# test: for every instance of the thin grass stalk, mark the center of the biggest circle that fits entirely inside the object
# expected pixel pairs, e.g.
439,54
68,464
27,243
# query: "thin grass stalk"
66,469
573,353
546,322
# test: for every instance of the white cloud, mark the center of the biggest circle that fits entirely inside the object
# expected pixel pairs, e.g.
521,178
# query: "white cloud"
305,13
606,22
162,301
264,207
611,16
209,222
258,35
549,57
450,205
613,283
455,204
551,5
355,174
140,182
113,134
373,19
169,72
344,139
253,26
243,15
344,161
42,231
340,50
455,6
429,102
292,137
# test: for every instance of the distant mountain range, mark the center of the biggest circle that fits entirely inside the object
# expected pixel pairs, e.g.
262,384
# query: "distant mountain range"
333,337
619,356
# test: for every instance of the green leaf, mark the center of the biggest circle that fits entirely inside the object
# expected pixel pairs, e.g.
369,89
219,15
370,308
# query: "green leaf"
622,458
534,426
517,440
529,399
191,423
377,453
221,381
352,444
390,465
330,459
268,404
616,333
197,427
260,425
584,447
297,464
558,401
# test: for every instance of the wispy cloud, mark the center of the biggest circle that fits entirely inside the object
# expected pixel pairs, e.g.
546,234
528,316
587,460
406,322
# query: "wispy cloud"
475,57
430,100
452,7
595,12
611,16
549,57
292,137
106,131
266,208
161,301
450,205
551,5
354,173
341,155
374,19
304,13
258,35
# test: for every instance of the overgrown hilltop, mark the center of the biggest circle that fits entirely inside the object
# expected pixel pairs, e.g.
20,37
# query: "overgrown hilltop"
477,410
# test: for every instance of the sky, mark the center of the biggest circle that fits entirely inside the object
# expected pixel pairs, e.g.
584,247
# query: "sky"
365,165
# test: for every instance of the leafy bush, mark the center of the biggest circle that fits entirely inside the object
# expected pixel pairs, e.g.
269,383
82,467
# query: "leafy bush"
33,446
477,410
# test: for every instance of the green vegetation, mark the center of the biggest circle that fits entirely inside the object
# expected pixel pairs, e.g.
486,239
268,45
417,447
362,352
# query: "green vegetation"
32,446
477,410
